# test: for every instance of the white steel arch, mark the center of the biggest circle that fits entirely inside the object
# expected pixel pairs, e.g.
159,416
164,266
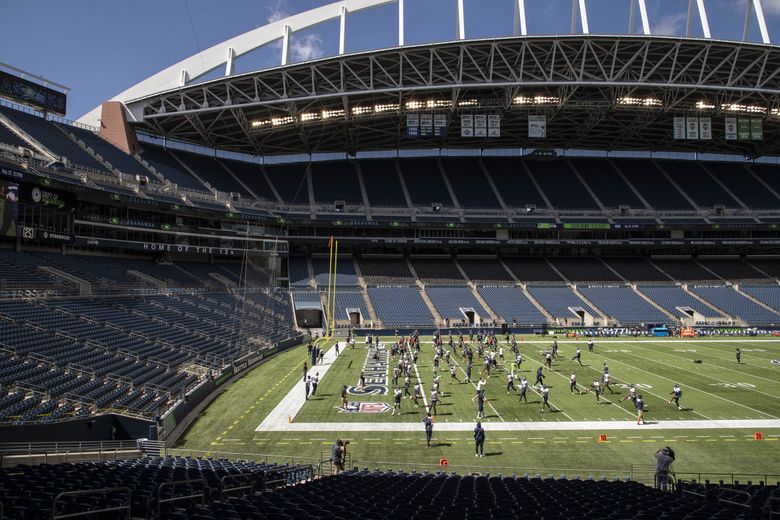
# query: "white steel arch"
225,53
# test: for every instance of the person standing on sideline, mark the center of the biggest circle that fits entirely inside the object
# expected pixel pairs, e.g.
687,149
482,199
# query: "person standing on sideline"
479,440
314,382
307,382
337,456
305,369
590,345
362,380
739,356
336,346
428,422
640,410
663,467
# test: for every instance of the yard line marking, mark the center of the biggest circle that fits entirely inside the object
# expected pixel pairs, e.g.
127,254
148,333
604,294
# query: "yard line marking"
417,375
475,386
711,377
689,386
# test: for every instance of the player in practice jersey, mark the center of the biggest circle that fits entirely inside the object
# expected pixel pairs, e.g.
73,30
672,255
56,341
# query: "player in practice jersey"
590,345
510,382
631,394
577,356
676,394
523,390
739,356
606,380
597,390
545,393
640,410
397,404
573,384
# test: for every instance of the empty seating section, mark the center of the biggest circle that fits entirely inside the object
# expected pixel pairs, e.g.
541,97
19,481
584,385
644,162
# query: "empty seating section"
170,168
636,270
210,170
697,184
386,271
290,182
584,269
606,183
382,185
561,186
251,174
769,173
469,183
399,306
651,184
29,491
684,270
511,305
46,133
10,138
449,300
350,300
307,300
118,158
424,182
438,271
557,299
671,296
345,272
768,266
736,305
513,183
532,270
486,271
738,179
623,304
766,294
19,271
733,270
335,180
299,271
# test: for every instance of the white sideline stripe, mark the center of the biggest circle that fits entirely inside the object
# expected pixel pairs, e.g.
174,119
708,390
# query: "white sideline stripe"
520,426
296,397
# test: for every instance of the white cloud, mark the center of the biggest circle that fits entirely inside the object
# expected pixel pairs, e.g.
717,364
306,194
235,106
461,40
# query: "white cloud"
670,24
306,48
277,9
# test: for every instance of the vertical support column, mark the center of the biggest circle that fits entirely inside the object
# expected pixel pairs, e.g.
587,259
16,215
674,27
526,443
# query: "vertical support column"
645,20
461,21
584,18
755,5
631,16
231,56
400,23
520,18
286,45
342,29
578,10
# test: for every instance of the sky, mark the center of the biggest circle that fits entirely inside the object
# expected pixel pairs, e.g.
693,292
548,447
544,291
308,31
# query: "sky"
100,47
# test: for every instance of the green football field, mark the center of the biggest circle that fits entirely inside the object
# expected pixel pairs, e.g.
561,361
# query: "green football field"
717,389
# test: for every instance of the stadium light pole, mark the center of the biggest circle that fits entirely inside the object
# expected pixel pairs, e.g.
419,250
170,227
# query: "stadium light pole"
520,18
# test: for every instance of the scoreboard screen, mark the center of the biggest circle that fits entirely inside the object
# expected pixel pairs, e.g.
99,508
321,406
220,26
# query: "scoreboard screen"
29,93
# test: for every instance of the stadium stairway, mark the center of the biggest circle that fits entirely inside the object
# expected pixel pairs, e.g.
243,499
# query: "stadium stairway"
184,165
549,317
85,288
425,298
364,292
491,313
649,300
581,296
709,304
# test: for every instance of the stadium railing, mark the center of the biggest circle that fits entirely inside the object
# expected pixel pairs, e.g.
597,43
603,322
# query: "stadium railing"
103,491
12,453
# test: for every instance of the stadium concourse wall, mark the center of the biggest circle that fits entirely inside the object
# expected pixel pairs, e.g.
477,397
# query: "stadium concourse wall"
178,418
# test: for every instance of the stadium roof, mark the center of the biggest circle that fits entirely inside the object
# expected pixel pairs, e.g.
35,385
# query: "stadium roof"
595,92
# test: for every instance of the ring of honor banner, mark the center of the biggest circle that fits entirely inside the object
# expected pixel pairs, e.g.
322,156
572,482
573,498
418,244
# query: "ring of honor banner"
480,125
731,128
537,126
426,125
692,128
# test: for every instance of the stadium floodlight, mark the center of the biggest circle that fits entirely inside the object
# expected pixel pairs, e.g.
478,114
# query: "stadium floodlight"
414,105
387,107
261,122
438,103
536,100
308,116
704,105
279,121
359,111
747,109
330,114
468,103
649,102
775,112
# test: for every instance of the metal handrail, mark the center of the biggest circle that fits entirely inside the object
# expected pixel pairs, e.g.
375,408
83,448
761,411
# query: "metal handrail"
723,491
126,507
180,498
249,477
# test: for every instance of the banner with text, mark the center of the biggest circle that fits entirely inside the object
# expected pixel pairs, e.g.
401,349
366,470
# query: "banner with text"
537,126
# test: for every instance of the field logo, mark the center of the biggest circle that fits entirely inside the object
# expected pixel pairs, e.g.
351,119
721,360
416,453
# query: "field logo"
775,361
357,407
375,371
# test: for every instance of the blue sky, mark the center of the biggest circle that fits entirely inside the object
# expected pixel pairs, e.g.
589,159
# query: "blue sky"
100,47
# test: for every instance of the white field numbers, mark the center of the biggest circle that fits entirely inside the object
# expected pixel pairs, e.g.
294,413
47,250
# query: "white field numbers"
641,386
733,385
